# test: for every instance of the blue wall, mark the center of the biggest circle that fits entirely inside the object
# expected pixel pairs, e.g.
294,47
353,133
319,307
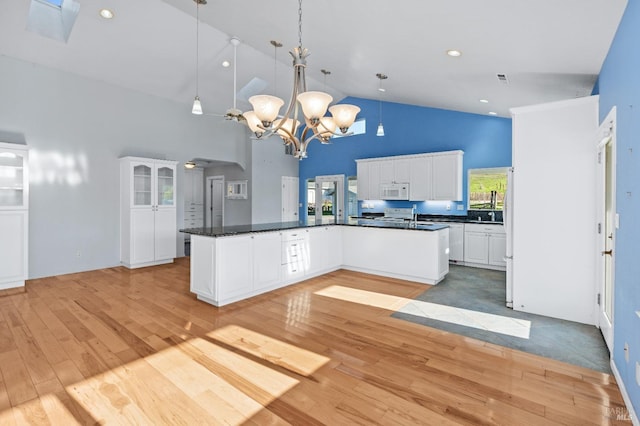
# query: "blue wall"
485,140
619,85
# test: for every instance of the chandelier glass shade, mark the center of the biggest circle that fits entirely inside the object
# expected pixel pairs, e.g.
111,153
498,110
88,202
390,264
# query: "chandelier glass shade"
308,107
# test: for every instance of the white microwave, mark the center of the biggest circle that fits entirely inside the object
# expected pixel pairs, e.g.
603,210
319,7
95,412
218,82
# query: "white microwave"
394,191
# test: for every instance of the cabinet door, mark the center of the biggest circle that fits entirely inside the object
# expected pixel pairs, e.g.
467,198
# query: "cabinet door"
456,242
497,249
420,170
14,182
165,182
266,259
234,263
374,180
386,171
142,235
401,170
165,234
363,180
318,249
142,183
13,247
476,248
334,246
447,177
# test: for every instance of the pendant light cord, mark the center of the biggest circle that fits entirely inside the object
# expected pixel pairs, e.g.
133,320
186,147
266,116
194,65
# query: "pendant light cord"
197,45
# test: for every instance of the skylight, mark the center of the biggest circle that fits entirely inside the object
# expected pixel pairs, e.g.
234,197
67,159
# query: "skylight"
53,18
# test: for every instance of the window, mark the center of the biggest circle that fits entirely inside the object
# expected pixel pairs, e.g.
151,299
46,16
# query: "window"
237,189
487,188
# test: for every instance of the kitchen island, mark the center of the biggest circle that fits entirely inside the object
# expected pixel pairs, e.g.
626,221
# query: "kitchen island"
233,263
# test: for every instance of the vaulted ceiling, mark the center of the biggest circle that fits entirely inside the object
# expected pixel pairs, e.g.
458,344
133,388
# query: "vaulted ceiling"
547,49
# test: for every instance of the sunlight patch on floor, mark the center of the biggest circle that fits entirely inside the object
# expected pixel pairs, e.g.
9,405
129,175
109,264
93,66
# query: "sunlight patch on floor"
479,320
293,358
191,381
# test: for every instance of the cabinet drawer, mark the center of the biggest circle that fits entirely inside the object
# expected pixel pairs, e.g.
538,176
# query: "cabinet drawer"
298,234
193,216
292,271
293,251
477,227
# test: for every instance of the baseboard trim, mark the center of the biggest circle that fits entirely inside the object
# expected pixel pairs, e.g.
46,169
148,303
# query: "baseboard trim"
625,395
12,291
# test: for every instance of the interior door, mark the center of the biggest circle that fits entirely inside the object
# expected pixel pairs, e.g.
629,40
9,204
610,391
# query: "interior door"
289,198
606,226
214,195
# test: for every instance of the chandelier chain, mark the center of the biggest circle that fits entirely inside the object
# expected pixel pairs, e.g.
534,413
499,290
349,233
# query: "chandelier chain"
300,23
197,46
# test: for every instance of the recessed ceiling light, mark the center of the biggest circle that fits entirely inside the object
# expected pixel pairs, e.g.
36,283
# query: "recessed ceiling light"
106,13
484,101
454,53
493,113
226,64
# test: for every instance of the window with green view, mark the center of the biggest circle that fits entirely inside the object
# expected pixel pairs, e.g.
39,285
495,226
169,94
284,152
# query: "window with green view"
487,188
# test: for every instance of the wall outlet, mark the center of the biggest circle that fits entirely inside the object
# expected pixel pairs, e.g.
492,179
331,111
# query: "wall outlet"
448,206
626,351
638,373
460,207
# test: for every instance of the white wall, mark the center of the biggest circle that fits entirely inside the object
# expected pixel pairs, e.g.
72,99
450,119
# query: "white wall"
76,130
554,215
270,163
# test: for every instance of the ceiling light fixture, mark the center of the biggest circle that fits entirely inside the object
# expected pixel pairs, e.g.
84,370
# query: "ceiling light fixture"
197,106
484,101
106,13
308,106
380,131
493,113
454,53
190,164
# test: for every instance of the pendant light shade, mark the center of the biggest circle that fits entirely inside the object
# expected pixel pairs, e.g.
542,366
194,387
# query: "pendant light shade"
197,106
314,104
380,131
266,108
344,115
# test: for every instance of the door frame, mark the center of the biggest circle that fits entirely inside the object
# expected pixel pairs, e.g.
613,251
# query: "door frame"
606,136
208,201
339,180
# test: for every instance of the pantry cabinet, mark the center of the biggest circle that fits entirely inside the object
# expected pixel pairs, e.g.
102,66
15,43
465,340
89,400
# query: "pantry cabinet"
14,215
148,222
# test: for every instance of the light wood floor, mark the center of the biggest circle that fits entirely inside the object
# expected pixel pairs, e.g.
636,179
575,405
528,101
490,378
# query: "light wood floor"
116,346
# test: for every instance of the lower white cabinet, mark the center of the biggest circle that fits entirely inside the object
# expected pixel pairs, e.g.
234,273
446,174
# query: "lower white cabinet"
419,256
485,246
13,248
266,259
325,249
456,241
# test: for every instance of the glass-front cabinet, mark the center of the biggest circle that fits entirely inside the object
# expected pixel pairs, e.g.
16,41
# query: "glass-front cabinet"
153,183
13,176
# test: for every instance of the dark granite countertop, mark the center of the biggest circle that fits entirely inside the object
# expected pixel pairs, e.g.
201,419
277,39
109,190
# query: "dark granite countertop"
282,226
437,218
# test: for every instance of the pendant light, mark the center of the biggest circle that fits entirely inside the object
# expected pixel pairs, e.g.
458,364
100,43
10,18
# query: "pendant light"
380,131
197,106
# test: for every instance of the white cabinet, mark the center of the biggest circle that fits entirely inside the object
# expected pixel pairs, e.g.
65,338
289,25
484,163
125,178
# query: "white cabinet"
148,224
236,278
14,215
485,246
193,199
420,178
433,176
447,176
325,249
456,241
266,260
295,254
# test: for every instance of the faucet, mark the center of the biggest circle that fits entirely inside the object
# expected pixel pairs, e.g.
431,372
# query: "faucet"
492,215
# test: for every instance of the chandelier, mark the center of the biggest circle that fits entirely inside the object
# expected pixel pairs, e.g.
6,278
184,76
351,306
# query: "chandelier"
264,121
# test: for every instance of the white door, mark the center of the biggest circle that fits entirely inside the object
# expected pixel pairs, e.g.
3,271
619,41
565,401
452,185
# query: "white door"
606,226
214,194
330,199
289,199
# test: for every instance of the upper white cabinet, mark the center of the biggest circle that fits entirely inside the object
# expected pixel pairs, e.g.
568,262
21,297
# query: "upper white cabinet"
148,227
447,176
14,215
434,176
